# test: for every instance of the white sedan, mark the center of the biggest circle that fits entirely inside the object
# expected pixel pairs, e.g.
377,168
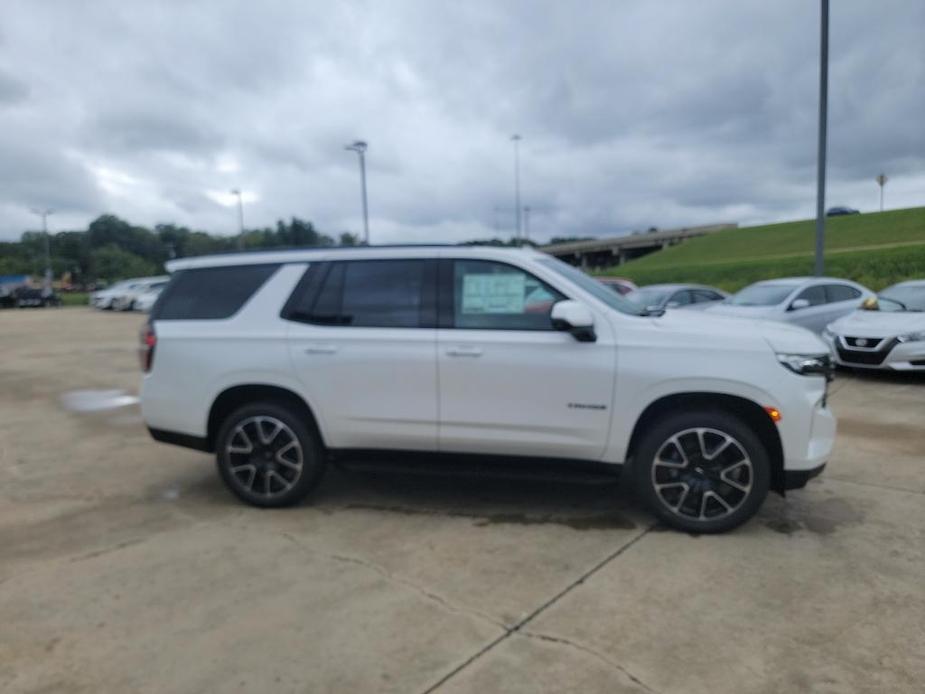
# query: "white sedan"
889,334
810,302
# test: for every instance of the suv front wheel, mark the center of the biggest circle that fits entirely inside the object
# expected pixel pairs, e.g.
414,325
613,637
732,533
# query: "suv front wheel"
702,472
268,456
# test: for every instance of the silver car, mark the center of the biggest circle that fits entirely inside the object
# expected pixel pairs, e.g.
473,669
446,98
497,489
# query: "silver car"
658,297
810,302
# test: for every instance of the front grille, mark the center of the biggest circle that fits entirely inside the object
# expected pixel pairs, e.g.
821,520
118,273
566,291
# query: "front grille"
871,358
865,342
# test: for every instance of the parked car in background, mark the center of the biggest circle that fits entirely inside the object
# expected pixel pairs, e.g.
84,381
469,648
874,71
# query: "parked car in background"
620,285
103,298
810,302
659,297
125,299
888,333
146,299
35,297
841,211
278,361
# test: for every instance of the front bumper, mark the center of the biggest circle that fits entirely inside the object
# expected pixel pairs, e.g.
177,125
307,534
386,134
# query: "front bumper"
797,479
890,354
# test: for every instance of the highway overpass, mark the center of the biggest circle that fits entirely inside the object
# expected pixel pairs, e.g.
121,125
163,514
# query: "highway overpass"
616,250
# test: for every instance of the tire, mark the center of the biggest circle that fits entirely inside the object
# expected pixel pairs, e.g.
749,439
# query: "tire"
702,472
286,459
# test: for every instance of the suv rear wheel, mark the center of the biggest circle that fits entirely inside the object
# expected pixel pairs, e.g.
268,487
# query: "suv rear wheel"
704,472
268,456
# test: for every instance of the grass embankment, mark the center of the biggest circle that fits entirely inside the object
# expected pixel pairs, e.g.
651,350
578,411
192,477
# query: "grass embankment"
875,249
74,298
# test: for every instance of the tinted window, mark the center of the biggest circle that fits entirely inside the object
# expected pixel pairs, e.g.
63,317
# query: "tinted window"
210,293
703,295
648,296
496,296
362,293
841,292
762,295
682,298
814,295
903,297
593,287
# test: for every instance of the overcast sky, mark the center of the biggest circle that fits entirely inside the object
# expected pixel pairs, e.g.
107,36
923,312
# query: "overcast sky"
633,113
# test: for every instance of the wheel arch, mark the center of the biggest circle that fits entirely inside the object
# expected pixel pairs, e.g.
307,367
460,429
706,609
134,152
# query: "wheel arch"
748,410
234,397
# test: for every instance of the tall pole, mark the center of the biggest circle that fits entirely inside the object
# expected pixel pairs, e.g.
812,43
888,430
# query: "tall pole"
360,148
43,213
526,222
516,140
237,192
881,181
823,118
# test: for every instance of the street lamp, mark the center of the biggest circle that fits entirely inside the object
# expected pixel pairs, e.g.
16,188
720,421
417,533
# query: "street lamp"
881,181
823,115
515,138
43,213
360,148
526,222
237,192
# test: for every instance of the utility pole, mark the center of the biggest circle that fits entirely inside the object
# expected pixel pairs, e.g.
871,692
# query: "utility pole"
823,119
360,148
881,181
43,213
516,140
237,192
526,222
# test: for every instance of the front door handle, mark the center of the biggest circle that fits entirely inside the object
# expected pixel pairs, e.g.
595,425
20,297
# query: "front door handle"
321,349
464,352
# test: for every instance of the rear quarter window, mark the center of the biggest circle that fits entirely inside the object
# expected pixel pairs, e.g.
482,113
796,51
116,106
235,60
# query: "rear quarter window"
210,293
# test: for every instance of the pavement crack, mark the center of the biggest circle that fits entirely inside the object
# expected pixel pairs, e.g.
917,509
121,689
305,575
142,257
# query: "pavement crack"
518,627
590,651
393,578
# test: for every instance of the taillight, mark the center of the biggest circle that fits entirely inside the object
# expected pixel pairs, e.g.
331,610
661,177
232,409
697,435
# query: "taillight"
146,349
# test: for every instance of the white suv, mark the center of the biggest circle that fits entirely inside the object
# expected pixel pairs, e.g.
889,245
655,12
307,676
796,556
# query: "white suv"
277,361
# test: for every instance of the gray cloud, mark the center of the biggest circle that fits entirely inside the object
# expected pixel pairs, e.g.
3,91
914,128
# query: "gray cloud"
634,114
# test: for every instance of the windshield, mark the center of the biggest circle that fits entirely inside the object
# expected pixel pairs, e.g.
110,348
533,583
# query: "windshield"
902,298
592,286
761,295
648,296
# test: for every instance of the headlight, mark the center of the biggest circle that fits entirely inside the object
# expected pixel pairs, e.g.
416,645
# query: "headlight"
913,337
828,334
807,364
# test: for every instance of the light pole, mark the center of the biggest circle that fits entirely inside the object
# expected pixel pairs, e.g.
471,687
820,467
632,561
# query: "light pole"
881,181
823,116
515,138
237,192
526,222
43,213
360,148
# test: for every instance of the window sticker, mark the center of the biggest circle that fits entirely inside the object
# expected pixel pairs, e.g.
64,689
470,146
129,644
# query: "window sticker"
493,293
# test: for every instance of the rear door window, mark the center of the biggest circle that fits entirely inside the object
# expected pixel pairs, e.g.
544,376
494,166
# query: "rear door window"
815,295
210,293
841,292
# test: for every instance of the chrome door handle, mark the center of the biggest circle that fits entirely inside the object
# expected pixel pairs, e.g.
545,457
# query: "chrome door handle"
464,352
320,349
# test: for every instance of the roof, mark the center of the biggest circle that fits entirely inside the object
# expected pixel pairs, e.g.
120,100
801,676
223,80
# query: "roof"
305,255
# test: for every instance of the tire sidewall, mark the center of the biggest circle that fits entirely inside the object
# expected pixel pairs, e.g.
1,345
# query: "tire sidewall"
313,459
653,440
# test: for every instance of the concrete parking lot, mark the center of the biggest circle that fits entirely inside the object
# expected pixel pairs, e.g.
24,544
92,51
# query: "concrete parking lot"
125,565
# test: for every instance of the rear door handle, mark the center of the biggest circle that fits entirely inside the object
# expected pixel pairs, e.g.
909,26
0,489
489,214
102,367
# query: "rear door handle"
464,352
320,349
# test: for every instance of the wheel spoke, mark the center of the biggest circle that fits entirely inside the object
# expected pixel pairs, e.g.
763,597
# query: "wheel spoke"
248,447
250,468
721,500
719,449
267,439
282,480
674,441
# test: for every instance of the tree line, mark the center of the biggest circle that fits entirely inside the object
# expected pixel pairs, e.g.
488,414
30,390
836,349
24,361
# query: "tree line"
111,248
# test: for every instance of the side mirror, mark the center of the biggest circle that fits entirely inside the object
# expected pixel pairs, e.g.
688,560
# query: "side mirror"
798,304
574,317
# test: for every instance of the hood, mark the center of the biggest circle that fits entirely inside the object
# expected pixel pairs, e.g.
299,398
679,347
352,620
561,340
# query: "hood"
725,309
781,337
878,323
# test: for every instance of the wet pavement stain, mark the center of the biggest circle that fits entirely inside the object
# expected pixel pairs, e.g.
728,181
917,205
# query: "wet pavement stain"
825,518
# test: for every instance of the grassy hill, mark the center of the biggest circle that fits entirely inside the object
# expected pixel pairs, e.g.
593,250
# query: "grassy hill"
874,249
